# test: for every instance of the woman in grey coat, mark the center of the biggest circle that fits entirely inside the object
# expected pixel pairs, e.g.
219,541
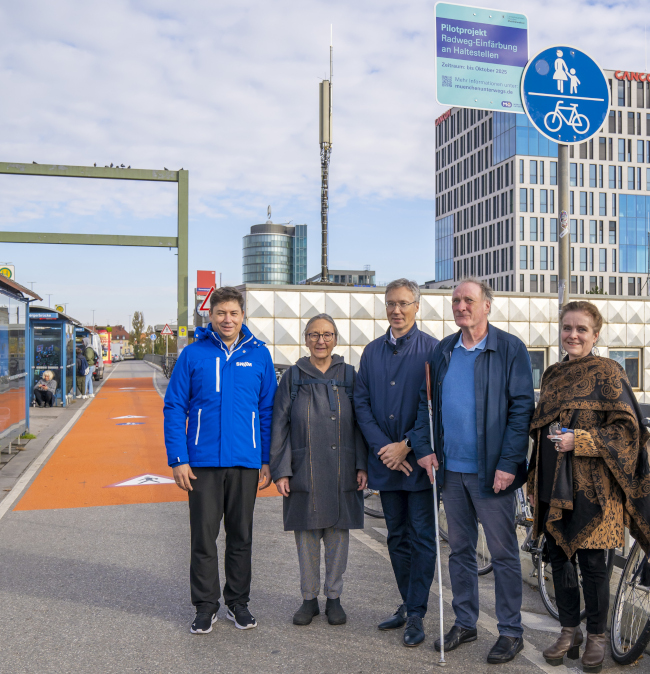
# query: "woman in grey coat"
318,463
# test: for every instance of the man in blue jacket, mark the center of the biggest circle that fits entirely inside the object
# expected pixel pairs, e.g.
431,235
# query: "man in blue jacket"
483,400
218,410
386,400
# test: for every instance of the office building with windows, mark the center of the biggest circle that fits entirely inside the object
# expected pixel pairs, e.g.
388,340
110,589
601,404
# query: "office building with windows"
275,254
497,199
353,277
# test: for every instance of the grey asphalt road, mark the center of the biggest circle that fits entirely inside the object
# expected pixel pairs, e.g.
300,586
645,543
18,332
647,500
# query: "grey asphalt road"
106,590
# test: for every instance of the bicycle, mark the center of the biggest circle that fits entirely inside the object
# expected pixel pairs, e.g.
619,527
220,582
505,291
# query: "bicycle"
630,627
538,550
372,503
576,120
483,556
168,366
372,507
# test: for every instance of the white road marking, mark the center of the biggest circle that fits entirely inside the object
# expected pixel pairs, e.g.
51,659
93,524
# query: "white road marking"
140,480
484,620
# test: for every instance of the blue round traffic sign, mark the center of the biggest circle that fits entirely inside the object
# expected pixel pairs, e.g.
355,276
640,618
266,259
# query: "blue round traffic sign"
565,94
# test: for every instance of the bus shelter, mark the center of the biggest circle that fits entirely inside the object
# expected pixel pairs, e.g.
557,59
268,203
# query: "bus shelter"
14,359
52,346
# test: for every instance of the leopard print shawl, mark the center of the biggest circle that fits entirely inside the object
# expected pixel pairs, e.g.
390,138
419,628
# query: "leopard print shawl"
611,485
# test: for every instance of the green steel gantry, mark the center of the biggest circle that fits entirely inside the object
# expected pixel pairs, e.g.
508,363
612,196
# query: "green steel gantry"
180,241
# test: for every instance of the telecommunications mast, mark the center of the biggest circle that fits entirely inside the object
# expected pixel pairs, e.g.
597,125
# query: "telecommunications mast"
325,140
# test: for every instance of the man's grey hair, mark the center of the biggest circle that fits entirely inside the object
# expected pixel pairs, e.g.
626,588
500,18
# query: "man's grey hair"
318,317
405,283
486,289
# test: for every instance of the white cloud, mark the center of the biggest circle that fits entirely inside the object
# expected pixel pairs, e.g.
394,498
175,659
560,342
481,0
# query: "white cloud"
229,91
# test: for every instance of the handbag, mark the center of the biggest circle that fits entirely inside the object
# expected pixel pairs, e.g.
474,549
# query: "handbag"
564,482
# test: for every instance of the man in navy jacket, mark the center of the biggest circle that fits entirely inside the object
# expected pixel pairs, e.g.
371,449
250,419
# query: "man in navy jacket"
386,399
483,401
218,410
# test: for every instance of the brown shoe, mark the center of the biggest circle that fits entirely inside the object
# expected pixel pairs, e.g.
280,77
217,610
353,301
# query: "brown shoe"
568,644
592,658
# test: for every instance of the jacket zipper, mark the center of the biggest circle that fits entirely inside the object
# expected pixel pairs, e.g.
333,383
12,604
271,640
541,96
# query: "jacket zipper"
311,467
198,430
218,375
253,424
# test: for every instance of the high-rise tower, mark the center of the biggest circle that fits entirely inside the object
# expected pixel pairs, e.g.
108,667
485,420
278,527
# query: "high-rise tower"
325,141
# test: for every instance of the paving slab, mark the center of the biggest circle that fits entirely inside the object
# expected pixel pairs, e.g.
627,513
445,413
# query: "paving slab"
106,589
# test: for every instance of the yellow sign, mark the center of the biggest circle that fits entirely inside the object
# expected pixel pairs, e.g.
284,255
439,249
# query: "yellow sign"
60,308
7,271
182,331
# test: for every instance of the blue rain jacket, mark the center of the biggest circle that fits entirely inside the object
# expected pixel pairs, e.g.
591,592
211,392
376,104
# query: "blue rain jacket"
505,402
386,396
219,405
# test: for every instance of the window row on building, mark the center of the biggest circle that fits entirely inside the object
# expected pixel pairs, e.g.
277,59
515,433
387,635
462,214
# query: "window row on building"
629,94
486,264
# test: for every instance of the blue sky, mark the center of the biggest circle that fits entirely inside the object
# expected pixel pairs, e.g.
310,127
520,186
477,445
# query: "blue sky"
229,91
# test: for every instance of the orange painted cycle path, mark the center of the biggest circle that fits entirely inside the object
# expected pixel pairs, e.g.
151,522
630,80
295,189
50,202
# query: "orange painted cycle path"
97,452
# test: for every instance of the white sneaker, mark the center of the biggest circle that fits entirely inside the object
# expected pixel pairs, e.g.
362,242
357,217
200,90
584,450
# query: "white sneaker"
92,395
79,396
84,397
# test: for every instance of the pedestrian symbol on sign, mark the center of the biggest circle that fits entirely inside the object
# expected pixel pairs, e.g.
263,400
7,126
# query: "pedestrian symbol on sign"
565,94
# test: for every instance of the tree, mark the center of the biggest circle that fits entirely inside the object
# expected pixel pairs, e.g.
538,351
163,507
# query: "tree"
159,345
596,291
149,345
136,336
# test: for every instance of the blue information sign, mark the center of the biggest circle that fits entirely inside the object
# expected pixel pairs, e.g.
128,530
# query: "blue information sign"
565,94
480,57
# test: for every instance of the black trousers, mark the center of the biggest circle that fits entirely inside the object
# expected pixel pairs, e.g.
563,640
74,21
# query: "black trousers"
595,587
43,397
227,493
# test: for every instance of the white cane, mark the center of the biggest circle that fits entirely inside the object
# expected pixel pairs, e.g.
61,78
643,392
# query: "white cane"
441,662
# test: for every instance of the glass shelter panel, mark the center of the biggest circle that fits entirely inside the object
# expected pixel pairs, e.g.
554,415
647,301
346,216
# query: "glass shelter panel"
12,367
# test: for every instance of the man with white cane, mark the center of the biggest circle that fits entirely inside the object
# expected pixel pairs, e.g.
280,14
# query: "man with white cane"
482,400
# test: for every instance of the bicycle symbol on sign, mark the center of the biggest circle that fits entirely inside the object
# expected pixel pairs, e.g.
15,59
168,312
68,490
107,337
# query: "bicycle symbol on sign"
553,120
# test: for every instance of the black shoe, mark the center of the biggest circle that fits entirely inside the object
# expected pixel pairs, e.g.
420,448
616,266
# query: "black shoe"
455,637
505,649
304,615
397,620
203,623
414,632
41,404
241,616
334,612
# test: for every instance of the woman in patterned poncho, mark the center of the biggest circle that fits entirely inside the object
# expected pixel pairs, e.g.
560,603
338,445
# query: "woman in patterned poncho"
590,485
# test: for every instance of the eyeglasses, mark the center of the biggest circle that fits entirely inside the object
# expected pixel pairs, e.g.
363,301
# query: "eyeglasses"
315,336
401,305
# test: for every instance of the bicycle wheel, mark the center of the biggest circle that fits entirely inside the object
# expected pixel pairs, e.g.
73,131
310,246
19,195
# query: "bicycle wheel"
581,125
630,631
545,579
372,503
483,557
552,121
442,522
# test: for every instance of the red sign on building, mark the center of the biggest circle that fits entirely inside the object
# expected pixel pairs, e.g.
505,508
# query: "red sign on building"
637,77
204,281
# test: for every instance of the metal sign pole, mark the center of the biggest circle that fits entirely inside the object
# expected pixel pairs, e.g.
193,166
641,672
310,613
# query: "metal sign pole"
564,237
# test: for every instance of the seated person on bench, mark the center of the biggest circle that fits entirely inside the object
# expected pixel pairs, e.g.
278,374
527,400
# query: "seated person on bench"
45,389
